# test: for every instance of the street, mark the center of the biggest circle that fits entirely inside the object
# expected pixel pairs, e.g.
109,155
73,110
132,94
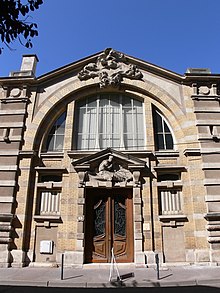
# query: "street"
27,289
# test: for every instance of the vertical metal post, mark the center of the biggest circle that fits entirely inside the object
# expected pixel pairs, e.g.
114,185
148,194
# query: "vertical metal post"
157,265
62,263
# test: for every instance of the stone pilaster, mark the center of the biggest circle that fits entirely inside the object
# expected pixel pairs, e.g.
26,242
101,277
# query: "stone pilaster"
13,115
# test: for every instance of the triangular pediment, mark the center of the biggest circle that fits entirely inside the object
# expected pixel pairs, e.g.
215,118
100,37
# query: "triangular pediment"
110,167
95,159
111,67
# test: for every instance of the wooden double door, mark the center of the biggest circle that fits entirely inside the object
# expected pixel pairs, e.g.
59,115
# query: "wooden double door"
109,224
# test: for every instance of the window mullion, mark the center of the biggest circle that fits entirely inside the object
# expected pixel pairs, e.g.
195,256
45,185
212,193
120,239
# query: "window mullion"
55,136
97,146
109,123
121,126
164,137
132,118
85,143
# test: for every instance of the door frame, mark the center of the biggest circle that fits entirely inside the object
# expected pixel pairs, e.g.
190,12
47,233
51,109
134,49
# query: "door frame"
86,167
109,194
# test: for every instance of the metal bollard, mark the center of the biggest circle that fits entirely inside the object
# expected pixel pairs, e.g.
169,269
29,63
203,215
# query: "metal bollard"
62,263
157,265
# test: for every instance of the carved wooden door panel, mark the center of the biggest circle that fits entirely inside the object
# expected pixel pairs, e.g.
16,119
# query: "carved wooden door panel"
109,224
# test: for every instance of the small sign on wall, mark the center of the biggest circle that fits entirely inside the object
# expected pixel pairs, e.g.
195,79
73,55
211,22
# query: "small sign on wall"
46,246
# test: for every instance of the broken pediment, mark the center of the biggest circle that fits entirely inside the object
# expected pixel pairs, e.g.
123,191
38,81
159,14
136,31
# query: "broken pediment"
109,166
110,67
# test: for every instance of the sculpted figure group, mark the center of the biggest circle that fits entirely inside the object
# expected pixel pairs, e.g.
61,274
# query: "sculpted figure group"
110,67
107,171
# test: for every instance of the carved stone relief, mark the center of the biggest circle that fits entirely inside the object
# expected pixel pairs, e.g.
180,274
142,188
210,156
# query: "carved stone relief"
15,92
110,67
111,171
206,89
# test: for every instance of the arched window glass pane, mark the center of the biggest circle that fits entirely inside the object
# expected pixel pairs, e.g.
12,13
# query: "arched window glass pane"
56,135
162,133
110,120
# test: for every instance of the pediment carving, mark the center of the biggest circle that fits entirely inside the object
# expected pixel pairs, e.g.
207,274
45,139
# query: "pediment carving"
111,67
107,168
110,170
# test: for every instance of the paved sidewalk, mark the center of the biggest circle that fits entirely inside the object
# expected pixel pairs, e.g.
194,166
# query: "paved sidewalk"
98,276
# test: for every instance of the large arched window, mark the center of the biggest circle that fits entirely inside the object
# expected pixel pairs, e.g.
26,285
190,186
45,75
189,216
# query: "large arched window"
110,120
162,133
55,137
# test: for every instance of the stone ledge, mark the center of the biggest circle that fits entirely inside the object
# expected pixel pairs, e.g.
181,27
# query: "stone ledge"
173,220
48,219
167,153
212,216
192,152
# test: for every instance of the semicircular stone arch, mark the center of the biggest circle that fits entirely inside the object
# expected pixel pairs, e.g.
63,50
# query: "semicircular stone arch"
77,89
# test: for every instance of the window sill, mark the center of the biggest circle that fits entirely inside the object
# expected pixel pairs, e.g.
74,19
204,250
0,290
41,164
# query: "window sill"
50,218
172,217
170,184
167,153
50,154
215,216
49,185
50,170
166,168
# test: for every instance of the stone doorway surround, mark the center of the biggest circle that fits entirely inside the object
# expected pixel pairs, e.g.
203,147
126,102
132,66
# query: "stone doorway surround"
109,225
110,169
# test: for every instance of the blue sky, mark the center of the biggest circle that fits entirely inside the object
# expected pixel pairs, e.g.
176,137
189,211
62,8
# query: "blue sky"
173,34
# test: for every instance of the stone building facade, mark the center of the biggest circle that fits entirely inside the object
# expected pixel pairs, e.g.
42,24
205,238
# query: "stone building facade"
109,154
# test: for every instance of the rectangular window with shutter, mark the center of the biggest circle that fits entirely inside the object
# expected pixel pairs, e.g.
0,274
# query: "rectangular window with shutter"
50,202
170,202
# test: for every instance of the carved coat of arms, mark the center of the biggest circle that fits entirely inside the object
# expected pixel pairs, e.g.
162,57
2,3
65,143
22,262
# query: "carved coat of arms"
110,67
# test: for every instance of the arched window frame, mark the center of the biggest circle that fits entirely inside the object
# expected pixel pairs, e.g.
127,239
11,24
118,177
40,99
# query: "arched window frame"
164,133
54,141
128,139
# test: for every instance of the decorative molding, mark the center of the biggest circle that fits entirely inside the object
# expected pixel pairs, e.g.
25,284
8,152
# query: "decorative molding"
211,181
170,184
27,154
168,153
12,125
7,217
212,217
205,98
212,198
7,199
13,112
15,100
8,183
210,166
52,155
15,92
48,218
204,90
109,167
49,185
214,239
192,152
138,154
213,227
8,168
111,67
40,169
173,220
171,168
